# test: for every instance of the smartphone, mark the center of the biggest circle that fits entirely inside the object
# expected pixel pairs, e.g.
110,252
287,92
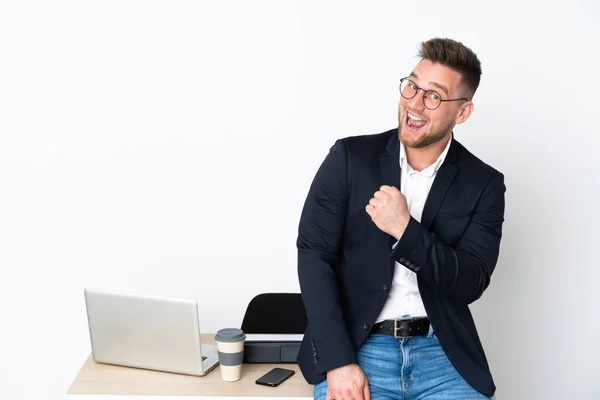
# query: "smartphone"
275,377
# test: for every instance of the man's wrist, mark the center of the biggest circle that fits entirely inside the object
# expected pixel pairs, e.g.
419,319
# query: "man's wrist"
400,231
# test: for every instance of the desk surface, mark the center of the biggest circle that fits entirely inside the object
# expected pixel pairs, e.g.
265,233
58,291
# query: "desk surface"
104,381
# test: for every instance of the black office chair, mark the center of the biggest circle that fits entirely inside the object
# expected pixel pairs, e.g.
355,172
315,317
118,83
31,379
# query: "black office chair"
275,313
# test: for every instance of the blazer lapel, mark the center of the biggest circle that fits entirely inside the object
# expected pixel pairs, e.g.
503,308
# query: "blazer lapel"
443,180
390,167
390,175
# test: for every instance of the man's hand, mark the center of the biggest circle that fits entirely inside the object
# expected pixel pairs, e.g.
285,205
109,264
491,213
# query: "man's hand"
347,383
389,211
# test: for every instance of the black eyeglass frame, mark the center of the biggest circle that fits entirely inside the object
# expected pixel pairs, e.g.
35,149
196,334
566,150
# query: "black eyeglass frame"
425,93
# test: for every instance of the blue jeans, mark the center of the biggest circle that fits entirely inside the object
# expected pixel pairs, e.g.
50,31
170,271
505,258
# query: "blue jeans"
408,369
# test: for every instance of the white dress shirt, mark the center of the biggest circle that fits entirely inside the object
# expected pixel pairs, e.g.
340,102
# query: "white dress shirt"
404,297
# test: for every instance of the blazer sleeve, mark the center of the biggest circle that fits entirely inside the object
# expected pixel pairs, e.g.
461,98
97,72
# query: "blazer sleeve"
319,246
462,272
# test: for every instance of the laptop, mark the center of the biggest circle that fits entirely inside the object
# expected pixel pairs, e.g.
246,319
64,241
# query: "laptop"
149,332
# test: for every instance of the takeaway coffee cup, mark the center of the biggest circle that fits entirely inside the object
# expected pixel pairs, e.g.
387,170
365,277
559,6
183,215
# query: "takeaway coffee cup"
230,346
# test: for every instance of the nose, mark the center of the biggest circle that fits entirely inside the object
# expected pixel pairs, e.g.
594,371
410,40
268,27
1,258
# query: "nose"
416,102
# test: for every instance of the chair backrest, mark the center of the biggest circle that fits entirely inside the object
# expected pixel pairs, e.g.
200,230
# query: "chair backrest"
275,313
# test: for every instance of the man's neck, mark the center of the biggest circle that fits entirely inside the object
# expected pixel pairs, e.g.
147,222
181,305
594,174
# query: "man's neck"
421,158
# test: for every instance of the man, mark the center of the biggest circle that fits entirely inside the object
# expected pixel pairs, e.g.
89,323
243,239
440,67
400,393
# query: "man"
400,232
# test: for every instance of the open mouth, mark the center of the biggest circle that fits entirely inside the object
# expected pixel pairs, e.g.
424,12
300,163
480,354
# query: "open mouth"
414,122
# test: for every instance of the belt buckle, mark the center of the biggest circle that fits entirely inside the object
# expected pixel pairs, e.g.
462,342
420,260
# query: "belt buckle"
396,329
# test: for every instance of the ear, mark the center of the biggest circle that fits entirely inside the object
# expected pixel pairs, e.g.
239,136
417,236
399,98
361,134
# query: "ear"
465,112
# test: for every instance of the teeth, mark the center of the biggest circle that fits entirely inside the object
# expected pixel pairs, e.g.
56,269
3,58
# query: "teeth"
413,116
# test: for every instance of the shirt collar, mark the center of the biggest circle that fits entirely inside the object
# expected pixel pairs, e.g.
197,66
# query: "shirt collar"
433,168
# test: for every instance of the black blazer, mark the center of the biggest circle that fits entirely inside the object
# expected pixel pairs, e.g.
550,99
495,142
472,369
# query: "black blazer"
346,264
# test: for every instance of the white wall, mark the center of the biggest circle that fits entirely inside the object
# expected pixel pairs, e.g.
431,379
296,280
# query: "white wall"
167,147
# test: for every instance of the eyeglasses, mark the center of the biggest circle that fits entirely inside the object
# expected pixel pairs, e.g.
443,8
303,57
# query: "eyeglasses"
431,98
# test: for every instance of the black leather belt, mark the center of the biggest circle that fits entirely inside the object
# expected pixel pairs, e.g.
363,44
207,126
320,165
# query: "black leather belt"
403,327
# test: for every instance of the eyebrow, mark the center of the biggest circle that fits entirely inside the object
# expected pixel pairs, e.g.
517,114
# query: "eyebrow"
437,85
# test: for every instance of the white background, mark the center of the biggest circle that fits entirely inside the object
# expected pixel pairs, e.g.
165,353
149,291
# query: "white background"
167,147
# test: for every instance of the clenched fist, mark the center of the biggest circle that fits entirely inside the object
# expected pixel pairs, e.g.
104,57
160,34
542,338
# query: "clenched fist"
389,211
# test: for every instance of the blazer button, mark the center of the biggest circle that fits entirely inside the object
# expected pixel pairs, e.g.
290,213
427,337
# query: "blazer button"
385,288
366,327
401,260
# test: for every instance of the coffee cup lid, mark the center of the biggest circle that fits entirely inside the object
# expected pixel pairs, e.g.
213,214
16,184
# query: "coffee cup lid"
230,335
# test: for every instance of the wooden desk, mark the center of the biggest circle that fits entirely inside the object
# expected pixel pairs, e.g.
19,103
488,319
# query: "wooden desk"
108,382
